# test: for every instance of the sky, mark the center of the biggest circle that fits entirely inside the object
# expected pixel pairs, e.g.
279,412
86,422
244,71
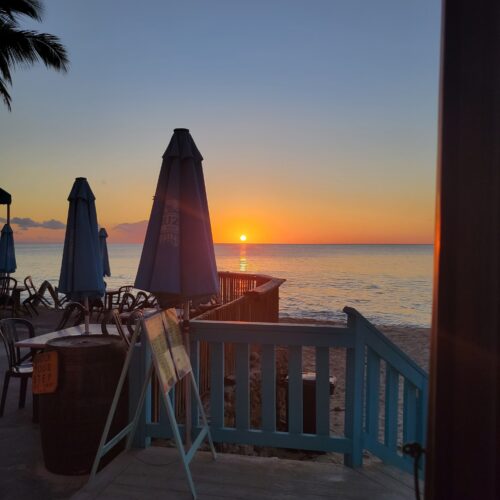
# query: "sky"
317,119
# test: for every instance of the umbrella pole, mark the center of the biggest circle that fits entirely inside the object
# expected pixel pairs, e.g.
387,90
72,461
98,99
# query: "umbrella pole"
187,385
86,302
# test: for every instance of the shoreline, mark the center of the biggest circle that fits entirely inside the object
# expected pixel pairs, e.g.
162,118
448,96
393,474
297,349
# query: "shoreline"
412,340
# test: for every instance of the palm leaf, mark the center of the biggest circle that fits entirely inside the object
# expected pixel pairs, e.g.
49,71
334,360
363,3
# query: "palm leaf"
27,47
24,47
11,8
5,95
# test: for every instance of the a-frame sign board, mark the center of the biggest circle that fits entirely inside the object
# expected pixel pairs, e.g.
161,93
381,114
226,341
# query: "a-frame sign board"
171,364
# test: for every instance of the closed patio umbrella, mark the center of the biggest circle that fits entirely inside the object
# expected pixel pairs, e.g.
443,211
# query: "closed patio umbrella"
7,252
106,271
81,275
6,199
178,260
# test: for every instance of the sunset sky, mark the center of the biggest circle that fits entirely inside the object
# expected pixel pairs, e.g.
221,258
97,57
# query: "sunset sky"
317,119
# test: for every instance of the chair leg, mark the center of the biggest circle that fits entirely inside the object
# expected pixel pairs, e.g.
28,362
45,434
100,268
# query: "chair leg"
4,392
22,392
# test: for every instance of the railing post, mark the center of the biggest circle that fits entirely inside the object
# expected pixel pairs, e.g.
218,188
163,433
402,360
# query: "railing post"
355,360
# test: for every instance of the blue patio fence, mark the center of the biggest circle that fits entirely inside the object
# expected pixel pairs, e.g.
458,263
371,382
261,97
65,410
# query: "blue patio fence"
383,391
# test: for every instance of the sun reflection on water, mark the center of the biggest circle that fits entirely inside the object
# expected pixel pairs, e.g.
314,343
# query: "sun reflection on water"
243,258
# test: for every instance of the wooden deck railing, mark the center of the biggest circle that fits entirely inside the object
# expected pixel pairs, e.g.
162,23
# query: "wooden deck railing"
244,297
378,416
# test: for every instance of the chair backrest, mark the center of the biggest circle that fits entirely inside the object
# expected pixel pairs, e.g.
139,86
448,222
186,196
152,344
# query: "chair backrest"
74,315
153,301
10,331
30,287
127,302
7,284
141,300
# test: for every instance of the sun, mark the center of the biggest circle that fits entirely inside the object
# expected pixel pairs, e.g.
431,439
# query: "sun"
243,237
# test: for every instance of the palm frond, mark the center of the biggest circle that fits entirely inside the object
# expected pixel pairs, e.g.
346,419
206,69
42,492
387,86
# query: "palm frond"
19,47
5,95
24,47
12,8
50,51
4,69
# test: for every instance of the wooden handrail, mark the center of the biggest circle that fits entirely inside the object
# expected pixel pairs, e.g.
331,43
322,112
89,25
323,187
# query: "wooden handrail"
266,287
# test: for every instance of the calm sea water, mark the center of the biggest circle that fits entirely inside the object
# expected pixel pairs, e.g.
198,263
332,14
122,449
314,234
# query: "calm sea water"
389,284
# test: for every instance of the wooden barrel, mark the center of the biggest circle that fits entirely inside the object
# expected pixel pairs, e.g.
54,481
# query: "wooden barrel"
72,418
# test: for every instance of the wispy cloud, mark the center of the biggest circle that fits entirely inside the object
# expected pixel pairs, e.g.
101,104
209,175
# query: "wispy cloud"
129,232
25,223
132,227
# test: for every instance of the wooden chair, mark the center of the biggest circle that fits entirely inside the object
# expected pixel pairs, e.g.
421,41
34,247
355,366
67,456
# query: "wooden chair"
36,297
113,318
96,305
62,299
7,286
19,366
74,315
118,298
127,303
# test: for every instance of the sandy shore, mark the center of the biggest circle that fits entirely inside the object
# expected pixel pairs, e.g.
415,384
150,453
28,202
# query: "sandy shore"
414,341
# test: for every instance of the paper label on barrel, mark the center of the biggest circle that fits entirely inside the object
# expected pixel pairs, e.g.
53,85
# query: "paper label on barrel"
45,372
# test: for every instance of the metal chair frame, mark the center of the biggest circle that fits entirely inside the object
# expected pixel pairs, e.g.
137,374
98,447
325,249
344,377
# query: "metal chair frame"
19,365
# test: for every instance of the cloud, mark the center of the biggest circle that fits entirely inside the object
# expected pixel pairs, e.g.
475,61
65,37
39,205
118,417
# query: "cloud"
128,232
132,227
53,224
25,223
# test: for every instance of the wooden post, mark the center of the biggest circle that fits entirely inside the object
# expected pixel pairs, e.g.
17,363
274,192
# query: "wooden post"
464,423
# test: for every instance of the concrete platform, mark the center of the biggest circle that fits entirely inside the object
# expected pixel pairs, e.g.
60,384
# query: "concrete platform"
157,473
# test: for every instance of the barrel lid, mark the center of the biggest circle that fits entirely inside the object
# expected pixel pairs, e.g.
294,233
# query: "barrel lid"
81,341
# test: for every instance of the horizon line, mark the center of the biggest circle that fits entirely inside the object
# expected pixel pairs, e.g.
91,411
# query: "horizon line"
236,243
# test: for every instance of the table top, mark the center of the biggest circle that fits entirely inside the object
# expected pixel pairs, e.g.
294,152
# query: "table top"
40,341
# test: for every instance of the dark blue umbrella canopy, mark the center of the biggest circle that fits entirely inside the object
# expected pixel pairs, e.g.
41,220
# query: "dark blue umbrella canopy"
81,269
106,271
7,252
178,259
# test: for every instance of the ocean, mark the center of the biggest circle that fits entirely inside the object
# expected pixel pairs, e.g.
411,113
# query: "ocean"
389,284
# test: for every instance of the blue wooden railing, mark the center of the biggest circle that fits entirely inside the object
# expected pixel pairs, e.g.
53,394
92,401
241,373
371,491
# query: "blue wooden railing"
376,371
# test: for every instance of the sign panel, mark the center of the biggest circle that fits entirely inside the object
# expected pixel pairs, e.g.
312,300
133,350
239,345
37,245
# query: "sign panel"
169,355
174,338
45,372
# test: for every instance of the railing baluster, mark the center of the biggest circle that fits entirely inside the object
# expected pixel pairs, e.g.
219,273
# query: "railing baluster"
295,405
217,385
268,388
422,414
242,385
391,407
372,394
322,391
409,412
